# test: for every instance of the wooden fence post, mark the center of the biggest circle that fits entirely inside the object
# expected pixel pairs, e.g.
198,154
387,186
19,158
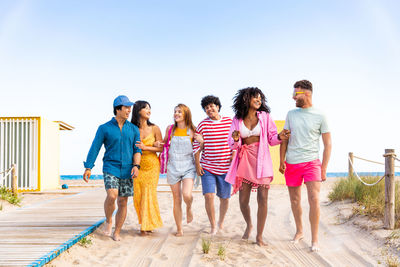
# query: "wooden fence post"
14,180
351,170
389,189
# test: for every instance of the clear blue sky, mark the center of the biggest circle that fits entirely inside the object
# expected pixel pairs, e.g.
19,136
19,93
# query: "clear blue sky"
67,60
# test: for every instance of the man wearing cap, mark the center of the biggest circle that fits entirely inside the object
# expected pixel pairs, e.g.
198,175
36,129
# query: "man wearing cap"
120,162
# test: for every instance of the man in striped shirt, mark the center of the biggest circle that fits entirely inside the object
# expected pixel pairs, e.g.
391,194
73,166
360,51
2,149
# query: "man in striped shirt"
211,140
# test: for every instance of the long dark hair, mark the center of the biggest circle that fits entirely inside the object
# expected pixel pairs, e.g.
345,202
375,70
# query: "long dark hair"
241,101
137,107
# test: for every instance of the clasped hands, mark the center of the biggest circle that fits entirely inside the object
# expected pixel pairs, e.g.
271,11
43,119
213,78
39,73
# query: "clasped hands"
283,135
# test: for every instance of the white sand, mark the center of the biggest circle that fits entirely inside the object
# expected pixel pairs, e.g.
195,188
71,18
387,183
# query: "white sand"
343,241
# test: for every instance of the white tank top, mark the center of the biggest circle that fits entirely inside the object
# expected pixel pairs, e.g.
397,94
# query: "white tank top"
245,132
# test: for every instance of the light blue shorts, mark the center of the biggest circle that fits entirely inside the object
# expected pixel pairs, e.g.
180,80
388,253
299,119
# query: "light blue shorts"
174,177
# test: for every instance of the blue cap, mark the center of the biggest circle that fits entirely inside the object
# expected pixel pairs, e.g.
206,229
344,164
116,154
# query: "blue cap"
122,100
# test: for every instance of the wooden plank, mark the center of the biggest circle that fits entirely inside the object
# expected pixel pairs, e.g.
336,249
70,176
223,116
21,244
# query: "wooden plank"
29,233
37,240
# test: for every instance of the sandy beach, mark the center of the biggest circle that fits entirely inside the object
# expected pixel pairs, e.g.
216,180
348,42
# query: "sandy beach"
345,240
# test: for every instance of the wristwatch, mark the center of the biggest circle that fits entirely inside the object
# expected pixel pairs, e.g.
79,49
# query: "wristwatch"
137,166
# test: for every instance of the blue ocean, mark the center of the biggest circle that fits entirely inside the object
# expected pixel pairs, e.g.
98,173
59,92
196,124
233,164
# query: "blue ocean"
163,176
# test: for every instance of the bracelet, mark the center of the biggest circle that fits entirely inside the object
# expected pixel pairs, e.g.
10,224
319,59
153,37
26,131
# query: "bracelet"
279,138
137,166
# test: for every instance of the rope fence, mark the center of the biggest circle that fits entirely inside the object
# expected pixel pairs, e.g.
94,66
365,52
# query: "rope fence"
356,174
390,157
376,162
14,178
7,172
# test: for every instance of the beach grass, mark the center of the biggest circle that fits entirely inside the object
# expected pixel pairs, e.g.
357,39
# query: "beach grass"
222,252
394,235
392,261
205,245
85,242
6,194
371,199
388,259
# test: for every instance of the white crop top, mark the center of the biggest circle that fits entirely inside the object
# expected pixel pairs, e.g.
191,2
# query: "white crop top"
245,132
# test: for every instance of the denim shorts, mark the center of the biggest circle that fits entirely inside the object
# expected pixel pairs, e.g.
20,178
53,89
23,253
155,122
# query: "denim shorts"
124,186
209,181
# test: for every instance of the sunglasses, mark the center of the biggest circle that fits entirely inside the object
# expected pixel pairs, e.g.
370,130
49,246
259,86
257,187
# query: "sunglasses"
298,93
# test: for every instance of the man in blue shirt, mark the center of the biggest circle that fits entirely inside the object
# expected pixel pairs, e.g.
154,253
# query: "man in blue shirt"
120,162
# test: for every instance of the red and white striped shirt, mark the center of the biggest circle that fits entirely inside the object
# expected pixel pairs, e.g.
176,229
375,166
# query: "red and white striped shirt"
216,154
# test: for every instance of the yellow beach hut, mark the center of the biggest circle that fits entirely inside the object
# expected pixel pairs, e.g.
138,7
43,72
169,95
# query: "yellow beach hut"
278,177
33,144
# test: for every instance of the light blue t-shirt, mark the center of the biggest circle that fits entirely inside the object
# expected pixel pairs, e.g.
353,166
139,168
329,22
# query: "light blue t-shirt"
306,126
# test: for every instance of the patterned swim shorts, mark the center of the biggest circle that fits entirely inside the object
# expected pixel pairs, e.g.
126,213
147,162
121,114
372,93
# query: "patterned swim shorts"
124,186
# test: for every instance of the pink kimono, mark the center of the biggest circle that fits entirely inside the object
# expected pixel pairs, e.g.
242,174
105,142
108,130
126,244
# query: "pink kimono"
268,136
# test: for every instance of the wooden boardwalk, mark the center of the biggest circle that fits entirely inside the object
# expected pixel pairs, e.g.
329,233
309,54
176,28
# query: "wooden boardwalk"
35,234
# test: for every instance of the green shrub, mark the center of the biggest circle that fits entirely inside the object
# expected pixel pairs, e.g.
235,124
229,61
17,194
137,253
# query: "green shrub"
343,189
7,195
85,241
370,198
222,252
205,245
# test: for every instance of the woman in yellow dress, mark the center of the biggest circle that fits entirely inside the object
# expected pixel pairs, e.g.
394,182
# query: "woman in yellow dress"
145,185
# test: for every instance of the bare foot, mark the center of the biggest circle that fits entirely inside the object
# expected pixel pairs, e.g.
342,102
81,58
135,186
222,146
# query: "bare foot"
143,233
179,233
220,226
189,214
297,237
314,247
247,232
213,231
116,237
260,242
107,229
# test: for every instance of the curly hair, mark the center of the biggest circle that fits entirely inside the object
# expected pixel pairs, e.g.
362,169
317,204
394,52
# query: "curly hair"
241,101
210,99
303,84
137,107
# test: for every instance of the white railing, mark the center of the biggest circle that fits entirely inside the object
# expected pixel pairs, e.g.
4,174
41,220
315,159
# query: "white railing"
19,144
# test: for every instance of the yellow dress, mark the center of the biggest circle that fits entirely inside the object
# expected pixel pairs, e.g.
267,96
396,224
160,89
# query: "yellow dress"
145,189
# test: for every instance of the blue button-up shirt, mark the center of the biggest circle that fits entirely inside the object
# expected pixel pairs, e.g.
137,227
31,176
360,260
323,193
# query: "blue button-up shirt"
120,148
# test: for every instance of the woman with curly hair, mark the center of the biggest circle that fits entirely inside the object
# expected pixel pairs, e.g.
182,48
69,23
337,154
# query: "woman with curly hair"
145,185
251,132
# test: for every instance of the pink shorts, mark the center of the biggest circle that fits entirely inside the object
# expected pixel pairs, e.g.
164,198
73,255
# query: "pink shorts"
309,171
